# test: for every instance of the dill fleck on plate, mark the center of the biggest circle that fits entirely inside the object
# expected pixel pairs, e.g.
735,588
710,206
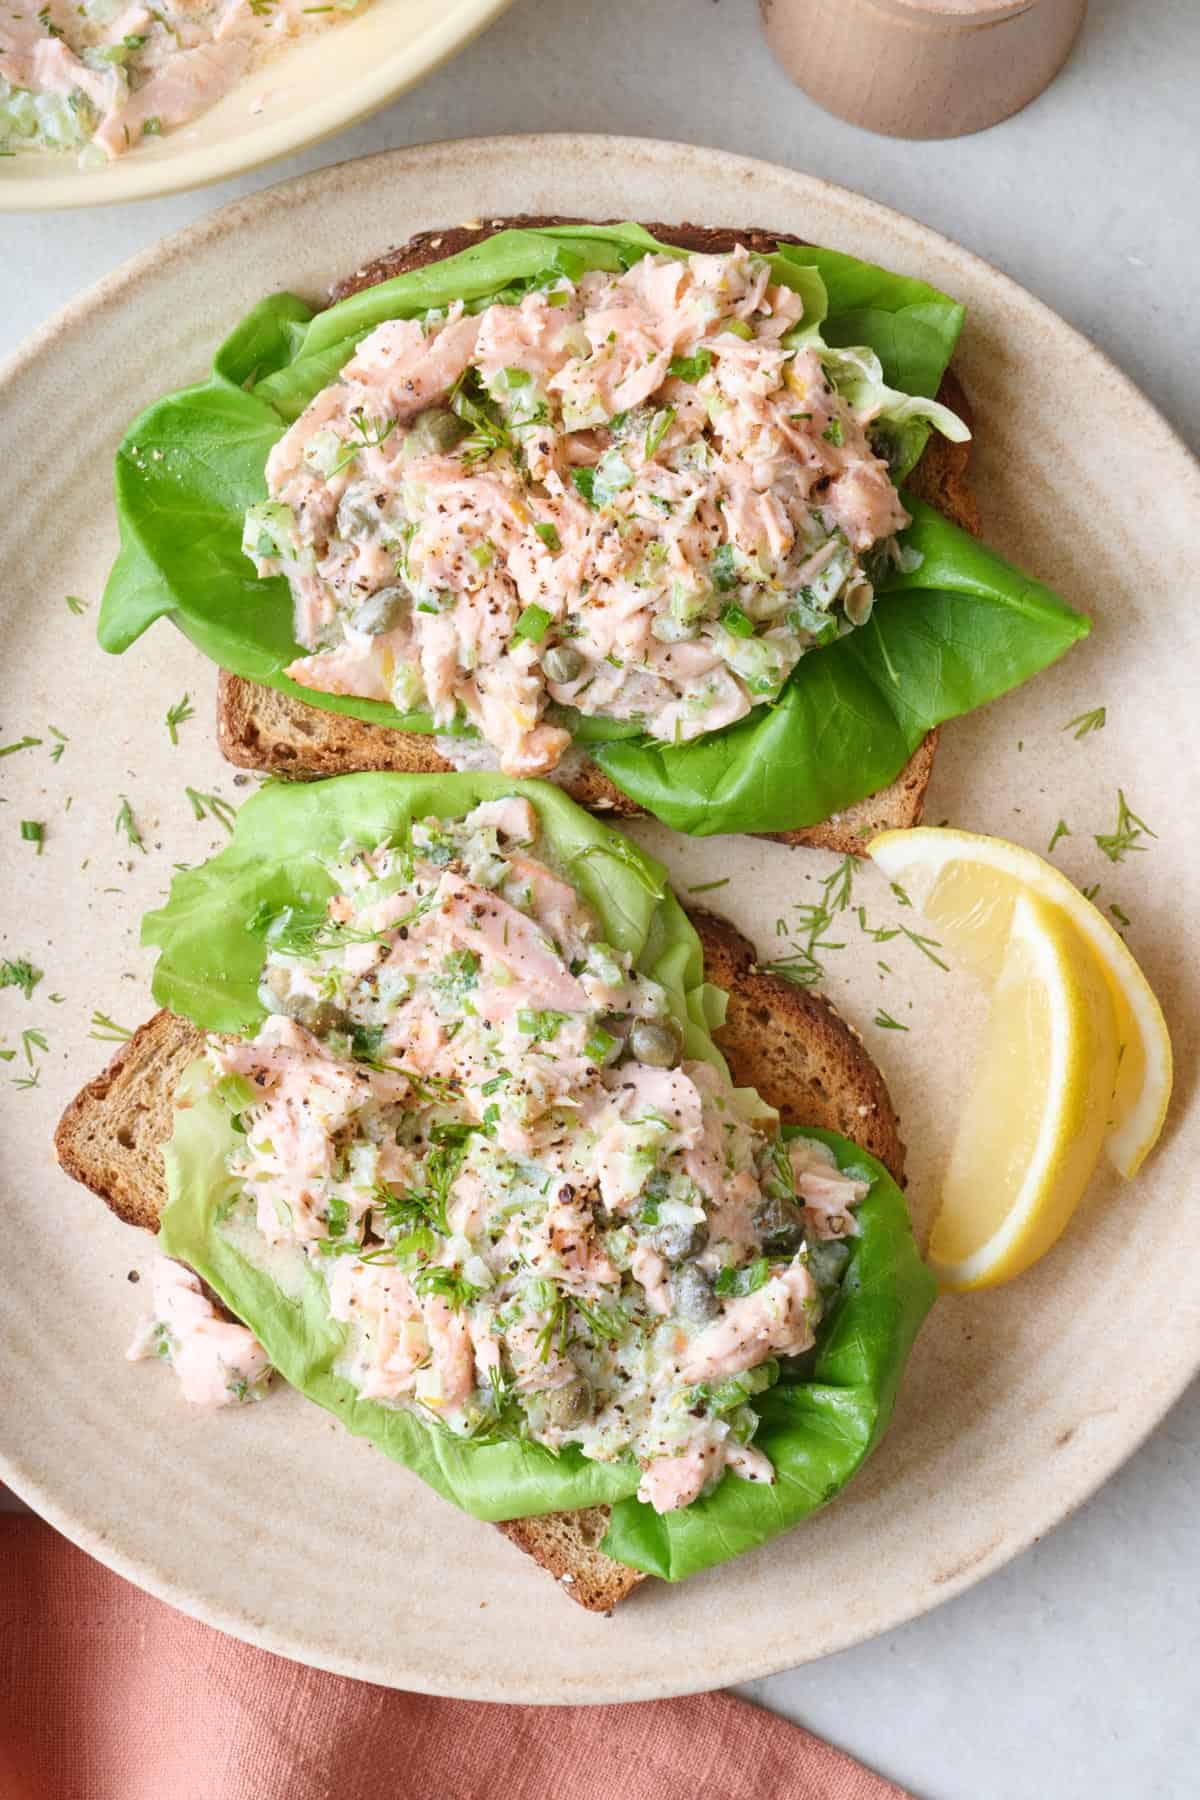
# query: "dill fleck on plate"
129,825
1061,830
177,715
205,804
20,973
1085,722
800,962
107,1030
1117,844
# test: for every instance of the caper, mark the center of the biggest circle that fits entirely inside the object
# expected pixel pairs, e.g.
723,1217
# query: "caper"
676,1239
380,612
692,1293
658,1043
317,1016
561,663
827,1259
437,428
780,1227
569,1405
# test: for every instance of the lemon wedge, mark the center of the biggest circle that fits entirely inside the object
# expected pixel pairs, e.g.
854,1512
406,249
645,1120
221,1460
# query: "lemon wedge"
969,887
1031,1132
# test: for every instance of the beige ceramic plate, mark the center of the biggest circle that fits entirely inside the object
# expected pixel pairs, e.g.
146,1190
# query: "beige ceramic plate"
325,84
272,1522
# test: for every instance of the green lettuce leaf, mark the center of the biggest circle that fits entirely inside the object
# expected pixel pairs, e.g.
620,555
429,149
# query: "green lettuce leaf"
818,1425
190,465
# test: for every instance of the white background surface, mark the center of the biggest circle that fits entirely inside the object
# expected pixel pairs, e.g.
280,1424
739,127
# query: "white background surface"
1071,1675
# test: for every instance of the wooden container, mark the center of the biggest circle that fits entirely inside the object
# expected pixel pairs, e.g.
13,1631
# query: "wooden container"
922,68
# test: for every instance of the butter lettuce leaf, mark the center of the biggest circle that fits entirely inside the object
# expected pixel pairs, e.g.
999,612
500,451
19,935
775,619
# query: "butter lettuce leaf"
850,715
819,1423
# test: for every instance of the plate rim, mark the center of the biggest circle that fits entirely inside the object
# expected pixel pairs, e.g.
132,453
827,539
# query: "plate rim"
241,214
185,171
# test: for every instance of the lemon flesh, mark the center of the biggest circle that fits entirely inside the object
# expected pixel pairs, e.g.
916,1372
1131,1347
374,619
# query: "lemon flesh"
1031,1132
969,887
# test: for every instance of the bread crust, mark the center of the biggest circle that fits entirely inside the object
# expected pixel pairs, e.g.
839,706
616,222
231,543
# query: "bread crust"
260,728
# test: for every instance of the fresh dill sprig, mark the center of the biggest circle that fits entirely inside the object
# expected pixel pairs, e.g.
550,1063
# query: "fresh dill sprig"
1086,721
1122,918
1117,844
204,804
449,1285
60,746
20,973
886,1022
706,887
75,604
177,715
371,433
25,743
129,825
31,1040
801,963
883,934
1061,830
107,1030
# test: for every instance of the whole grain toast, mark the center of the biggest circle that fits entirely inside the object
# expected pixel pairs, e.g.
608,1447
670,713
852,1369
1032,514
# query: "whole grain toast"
260,728
786,1041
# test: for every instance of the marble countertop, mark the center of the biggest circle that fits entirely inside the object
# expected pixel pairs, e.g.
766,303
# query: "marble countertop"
1070,1675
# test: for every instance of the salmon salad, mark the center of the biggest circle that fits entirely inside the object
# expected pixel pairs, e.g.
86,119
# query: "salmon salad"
635,497
101,77
533,1214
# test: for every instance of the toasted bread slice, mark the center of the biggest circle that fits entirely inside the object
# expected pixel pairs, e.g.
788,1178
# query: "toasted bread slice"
259,728
785,1041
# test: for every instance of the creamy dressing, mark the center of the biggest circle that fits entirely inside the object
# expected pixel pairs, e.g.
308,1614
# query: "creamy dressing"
217,1360
104,75
534,1215
641,496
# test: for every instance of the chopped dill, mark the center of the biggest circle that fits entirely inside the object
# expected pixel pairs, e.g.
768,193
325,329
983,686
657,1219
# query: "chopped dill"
107,1030
1117,844
129,825
20,974
1085,722
1061,830
886,1022
177,715
800,963
205,804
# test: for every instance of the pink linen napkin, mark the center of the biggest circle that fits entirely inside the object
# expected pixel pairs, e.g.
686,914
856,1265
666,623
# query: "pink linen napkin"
108,1694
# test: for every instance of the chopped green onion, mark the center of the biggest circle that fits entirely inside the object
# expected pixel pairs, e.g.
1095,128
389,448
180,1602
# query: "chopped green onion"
548,534
833,433
736,622
585,484
691,368
724,568
740,1282
33,832
599,1045
739,328
533,624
